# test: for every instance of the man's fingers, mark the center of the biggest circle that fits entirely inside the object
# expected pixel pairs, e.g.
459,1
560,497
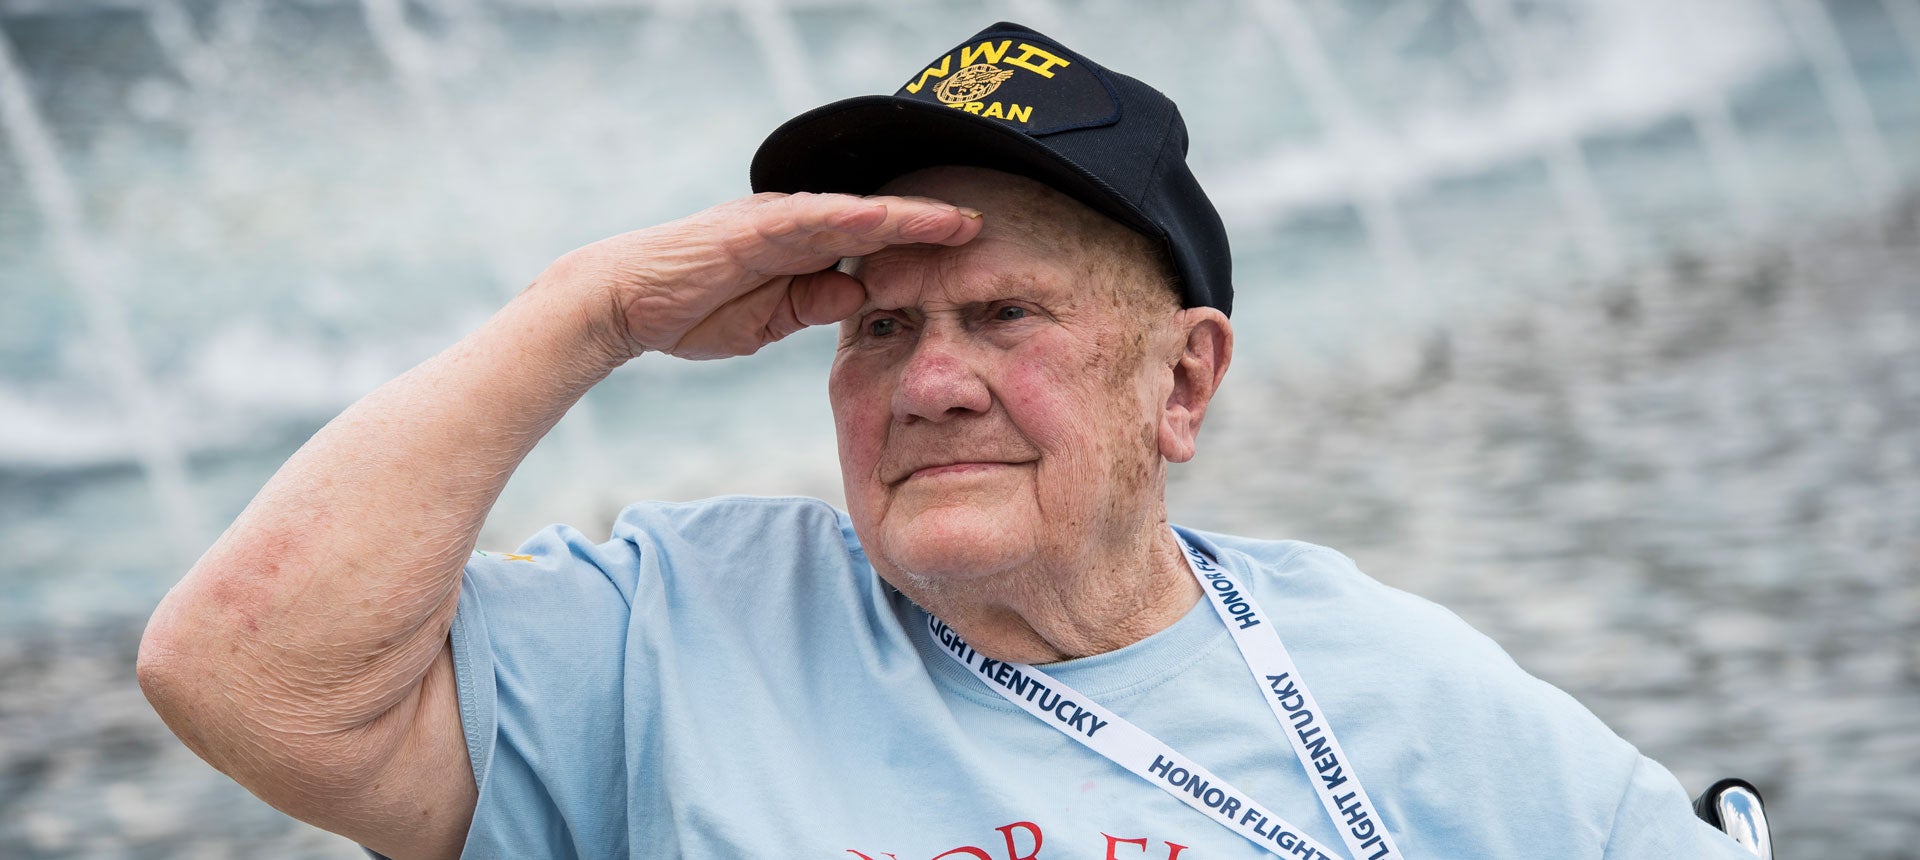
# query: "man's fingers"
801,229
857,219
739,327
942,227
770,312
918,219
735,277
823,298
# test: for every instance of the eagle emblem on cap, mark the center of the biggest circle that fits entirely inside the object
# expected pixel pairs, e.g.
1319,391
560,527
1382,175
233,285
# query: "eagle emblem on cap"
971,84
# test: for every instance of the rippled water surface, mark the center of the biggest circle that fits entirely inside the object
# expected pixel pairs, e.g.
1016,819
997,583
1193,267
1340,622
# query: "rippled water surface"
1693,501
1599,325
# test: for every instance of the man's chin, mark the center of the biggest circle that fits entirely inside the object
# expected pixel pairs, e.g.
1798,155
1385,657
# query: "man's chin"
953,544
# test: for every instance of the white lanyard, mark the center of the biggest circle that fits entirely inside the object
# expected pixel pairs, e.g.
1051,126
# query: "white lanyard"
1131,747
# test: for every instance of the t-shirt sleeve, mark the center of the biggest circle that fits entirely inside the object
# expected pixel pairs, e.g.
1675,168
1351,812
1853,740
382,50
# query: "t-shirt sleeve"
1656,821
538,653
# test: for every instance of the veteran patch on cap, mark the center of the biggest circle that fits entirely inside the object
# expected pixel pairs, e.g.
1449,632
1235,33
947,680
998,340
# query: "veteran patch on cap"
1012,99
1026,82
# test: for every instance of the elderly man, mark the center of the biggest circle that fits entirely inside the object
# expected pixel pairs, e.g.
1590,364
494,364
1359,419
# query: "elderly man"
1001,649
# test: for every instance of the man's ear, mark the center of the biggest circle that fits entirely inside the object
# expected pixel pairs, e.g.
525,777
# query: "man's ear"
1197,370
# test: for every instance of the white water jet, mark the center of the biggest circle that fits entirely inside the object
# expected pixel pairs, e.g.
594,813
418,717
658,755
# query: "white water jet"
173,31
1641,62
1906,22
1351,132
666,28
1732,166
1847,103
1042,15
405,50
1727,152
415,64
83,260
1400,21
785,59
1567,169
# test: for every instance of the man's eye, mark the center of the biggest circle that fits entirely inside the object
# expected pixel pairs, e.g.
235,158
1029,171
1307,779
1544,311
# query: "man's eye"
883,326
1010,312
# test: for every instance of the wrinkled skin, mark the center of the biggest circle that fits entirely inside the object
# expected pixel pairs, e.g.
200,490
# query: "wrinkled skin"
1005,410
306,654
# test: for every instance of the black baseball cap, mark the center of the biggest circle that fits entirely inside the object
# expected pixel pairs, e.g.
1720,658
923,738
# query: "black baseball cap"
1014,100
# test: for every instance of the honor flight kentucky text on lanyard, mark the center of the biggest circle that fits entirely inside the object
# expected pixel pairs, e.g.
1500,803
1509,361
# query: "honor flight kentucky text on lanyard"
1131,747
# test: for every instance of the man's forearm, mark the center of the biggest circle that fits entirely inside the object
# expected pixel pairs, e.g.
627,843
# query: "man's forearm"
327,600
305,655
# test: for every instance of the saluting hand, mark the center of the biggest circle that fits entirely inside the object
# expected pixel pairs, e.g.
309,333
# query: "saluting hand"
734,278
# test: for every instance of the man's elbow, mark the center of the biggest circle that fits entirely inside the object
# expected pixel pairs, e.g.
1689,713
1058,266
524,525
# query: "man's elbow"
266,745
174,683
188,668
234,700
194,664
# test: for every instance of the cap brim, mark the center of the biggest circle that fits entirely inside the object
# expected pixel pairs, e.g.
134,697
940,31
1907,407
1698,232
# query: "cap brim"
856,145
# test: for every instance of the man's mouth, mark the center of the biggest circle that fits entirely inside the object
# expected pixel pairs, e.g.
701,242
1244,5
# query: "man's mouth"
961,468
955,469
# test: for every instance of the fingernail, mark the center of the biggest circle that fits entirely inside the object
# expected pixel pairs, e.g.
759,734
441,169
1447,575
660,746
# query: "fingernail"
969,211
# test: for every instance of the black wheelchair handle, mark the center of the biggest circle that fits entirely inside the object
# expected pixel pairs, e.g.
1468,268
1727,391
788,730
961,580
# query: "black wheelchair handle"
1734,806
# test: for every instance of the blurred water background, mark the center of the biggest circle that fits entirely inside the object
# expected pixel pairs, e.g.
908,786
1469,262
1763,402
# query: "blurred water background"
1595,320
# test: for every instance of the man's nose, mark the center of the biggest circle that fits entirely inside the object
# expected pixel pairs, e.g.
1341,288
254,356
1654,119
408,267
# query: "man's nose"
938,381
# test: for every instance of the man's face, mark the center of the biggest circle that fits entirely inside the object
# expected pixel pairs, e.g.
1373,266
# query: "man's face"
998,403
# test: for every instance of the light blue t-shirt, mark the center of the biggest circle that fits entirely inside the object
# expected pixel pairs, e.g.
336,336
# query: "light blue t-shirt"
729,678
